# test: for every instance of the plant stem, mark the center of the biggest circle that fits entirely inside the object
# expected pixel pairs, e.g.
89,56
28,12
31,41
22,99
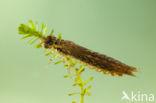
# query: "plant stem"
82,93
81,87
78,75
82,97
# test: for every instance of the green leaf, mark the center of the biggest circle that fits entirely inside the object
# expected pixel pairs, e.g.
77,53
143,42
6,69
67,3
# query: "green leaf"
36,23
70,75
70,60
52,31
58,62
88,88
24,29
45,30
74,102
38,45
65,65
75,84
68,66
24,37
32,42
81,69
31,24
47,54
75,63
45,50
55,55
88,80
77,81
88,93
59,36
70,94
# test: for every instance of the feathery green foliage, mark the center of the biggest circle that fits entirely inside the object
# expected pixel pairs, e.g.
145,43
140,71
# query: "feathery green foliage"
32,31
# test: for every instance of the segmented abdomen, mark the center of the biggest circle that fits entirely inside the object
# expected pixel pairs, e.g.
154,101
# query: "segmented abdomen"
94,60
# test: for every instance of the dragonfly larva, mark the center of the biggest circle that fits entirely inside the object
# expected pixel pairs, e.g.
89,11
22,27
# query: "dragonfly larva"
93,60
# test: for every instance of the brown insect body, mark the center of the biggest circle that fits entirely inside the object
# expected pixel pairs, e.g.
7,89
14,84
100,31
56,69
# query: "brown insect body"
94,60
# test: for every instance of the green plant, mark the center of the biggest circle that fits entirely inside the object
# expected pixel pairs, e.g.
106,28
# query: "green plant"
32,32
70,54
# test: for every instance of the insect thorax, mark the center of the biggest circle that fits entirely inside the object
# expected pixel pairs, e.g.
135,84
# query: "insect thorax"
49,41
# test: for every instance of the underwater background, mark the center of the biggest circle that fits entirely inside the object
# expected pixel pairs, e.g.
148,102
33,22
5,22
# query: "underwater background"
122,29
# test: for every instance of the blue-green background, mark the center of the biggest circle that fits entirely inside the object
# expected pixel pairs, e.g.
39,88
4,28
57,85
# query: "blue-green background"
123,29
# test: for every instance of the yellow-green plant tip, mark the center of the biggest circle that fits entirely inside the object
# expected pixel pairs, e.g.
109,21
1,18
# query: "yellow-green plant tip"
24,29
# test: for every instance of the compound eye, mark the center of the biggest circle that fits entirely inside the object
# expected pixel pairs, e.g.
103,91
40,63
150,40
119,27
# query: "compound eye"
49,41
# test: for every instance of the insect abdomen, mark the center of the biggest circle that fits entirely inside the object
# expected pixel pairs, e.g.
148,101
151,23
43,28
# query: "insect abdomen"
94,60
